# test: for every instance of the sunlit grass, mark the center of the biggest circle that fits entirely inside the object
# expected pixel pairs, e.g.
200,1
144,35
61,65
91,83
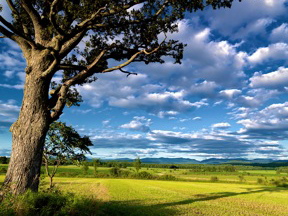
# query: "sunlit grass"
146,197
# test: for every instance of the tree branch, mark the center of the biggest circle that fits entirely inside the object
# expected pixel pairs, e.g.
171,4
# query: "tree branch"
127,72
71,67
8,34
71,43
118,67
61,94
52,17
92,17
15,31
35,17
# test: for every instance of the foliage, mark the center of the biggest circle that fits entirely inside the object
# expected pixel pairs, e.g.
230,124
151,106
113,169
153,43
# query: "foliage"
52,203
214,179
115,171
96,163
137,164
63,143
85,167
3,170
4,160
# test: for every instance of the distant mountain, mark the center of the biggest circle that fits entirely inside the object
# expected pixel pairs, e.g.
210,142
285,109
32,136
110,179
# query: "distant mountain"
163,160
160,160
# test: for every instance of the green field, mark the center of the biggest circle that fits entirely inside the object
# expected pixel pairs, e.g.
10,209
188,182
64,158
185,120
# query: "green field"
228,196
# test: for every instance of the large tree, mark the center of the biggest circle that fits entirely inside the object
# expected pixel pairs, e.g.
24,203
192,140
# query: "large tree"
48,32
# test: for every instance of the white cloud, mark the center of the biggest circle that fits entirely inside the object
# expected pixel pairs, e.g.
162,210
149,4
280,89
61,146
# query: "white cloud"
228,21
268,123
230,93
254,28
8,111
277,51
280,33
138,124
276,79
221,125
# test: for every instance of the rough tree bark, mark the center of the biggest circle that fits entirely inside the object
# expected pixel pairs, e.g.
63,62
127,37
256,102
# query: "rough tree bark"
29,131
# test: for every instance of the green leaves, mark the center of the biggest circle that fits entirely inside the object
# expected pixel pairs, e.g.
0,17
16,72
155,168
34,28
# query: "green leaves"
64,143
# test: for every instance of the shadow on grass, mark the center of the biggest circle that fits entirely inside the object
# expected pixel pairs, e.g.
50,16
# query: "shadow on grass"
136,208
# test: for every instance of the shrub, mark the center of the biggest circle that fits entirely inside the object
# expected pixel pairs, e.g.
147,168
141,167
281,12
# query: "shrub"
115,172
3,170
167,177
214,179
47,204
85,168
260,181
145,175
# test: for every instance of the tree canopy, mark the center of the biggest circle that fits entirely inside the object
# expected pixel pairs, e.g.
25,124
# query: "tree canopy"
124,31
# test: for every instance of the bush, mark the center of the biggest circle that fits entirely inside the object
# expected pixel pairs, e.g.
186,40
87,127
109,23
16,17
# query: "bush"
260,181
115,172
47,204
3,170
167,177
214,179
144,175
279,182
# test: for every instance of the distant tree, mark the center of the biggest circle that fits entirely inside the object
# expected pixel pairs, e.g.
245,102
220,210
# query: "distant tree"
137,164
4,160
174,167
62,144
111,31
85,167
96,163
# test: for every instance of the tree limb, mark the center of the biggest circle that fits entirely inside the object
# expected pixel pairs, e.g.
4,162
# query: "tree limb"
71,67
8,34
62,93
127,72
118,67
35,17
52,17
15,31
71,43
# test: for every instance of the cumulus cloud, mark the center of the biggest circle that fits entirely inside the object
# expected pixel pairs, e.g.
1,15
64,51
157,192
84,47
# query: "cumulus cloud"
277,51
230,93
280,34
139,123
221,125
9,111
268,123
229,21
277,79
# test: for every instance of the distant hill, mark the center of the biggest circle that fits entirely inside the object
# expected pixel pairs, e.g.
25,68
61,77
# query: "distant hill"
238,161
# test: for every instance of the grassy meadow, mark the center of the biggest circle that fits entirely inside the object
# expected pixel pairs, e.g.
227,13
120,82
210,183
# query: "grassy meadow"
191,194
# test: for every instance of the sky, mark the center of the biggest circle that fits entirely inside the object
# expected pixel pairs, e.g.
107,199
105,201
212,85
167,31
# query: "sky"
228,98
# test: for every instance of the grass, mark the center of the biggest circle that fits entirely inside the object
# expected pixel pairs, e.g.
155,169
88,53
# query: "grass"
149,197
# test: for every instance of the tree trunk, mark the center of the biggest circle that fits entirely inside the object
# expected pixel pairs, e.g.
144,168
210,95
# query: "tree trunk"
28,134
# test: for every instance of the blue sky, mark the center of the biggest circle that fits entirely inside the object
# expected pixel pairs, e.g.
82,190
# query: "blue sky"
227,99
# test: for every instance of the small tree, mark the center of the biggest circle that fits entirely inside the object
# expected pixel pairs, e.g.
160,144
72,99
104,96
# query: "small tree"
85,167
62,144
96,163
137,164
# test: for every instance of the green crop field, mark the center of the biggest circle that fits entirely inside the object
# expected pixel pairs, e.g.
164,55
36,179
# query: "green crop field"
227,196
